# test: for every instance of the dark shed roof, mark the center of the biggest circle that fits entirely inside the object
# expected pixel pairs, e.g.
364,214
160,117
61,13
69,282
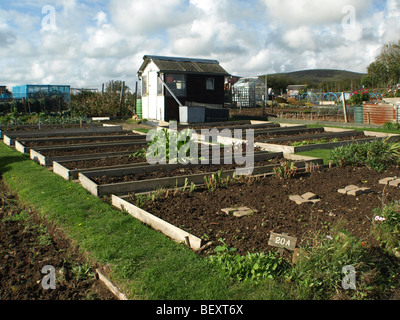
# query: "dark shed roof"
184,65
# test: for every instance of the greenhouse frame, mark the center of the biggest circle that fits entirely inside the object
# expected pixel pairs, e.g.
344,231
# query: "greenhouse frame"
32,91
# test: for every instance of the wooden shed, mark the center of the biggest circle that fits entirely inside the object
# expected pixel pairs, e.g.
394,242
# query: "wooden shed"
168,83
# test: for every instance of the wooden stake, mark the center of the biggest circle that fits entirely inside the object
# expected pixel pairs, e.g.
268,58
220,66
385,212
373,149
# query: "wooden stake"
121,98
187,241
346,118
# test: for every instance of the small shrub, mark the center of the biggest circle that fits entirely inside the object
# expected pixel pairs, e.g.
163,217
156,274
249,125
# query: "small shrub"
321,276
286,170
377,155
386,225
391,126
252,267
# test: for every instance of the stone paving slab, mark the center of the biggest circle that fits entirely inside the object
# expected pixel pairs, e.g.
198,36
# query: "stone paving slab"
391,181
353,190
239,212
308,197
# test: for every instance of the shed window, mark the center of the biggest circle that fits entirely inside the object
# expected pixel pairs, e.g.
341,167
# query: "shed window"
160,85
144,86
210,84
177,84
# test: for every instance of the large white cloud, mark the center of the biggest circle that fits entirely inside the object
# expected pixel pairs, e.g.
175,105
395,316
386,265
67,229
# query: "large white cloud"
295,13
94,42
146,17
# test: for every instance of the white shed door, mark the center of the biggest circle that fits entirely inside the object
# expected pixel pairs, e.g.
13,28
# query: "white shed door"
153,112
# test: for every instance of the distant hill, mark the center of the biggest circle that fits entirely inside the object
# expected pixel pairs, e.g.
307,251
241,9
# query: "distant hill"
318,76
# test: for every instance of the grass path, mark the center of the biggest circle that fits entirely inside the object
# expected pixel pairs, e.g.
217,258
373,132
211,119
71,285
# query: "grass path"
144,263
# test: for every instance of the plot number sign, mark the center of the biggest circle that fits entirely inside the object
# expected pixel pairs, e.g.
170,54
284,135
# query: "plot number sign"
282,241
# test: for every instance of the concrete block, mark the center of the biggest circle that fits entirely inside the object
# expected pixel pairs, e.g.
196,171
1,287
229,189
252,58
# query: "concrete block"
309,196
358,192
353,190
229,211
298,199
243,213
239,212
394,183
386,180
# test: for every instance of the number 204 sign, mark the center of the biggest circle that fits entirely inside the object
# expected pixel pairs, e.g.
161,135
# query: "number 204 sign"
282,241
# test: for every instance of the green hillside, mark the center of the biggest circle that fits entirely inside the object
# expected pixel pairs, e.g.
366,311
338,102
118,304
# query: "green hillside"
319,78
321,75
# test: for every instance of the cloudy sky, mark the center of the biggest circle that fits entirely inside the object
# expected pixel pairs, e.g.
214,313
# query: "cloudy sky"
87,43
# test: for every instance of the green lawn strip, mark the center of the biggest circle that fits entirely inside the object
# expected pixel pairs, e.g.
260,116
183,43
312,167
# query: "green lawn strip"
383,130
145,263
318,153
142,130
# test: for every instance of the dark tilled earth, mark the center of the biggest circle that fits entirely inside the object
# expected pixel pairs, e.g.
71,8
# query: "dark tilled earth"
199,213
28,245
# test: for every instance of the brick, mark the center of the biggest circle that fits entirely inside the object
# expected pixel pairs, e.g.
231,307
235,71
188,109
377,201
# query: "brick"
394,183
229,210
303,199
353,190
366,190
243,213
309,196
386,180
297,199
358,192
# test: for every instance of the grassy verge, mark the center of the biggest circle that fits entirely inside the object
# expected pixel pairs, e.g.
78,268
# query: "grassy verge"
144,263
323,154
382,129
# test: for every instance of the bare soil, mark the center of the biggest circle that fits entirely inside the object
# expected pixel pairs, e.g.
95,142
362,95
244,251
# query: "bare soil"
26,246
183,171
289,112
119,160
72,142
199,213
9,128
292,138
103,162
92,150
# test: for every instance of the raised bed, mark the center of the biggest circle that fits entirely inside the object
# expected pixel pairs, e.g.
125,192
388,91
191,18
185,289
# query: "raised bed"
46,156
156,223
231,125
25,145
30,127
9,138
175,233
68,171
279,130
145,185
200,215
343,136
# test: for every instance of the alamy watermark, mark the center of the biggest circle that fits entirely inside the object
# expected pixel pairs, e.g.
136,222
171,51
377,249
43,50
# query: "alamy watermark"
49,280
49,21
188,147
349,21
349,280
